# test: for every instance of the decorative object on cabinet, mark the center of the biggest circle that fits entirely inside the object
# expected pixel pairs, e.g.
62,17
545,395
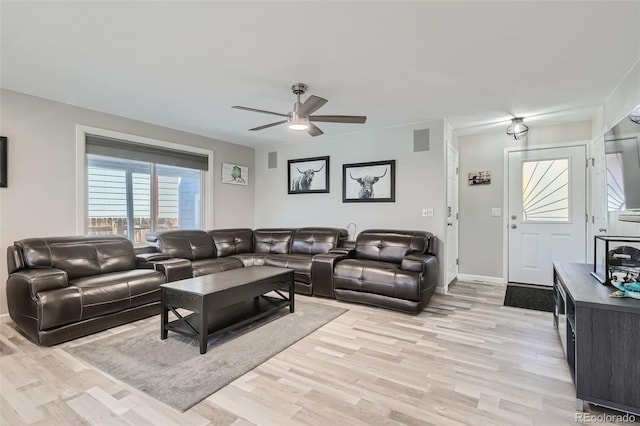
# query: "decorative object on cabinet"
626,289
615,254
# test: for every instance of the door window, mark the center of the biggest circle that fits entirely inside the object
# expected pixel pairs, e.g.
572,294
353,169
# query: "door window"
545,190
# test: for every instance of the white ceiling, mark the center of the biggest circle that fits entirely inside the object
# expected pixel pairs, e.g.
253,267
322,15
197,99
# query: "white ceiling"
184,64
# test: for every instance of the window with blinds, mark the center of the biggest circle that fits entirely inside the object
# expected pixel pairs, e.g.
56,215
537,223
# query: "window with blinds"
134,189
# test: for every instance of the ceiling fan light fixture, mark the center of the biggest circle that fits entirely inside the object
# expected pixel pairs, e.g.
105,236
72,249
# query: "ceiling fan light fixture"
517,129
299,124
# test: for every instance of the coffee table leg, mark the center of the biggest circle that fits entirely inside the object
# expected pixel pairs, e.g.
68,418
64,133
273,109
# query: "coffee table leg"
204,329
164,317
291,297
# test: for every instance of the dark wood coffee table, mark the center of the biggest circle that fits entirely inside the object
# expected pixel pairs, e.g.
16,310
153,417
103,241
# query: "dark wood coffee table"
223,301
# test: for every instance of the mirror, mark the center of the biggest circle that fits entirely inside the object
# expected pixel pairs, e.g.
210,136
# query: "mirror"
622,156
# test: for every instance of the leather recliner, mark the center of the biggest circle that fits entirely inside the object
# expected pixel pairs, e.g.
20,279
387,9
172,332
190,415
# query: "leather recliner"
388,268
62,288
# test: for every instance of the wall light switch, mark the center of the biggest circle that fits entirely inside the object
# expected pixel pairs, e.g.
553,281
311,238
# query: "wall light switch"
430,212
425,212
496,211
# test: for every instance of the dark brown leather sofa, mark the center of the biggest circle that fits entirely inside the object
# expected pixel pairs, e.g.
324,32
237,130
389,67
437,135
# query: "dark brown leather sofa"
388,268
223,249
65,287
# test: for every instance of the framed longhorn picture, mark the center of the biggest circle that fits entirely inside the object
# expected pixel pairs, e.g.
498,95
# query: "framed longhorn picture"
308,175
369,182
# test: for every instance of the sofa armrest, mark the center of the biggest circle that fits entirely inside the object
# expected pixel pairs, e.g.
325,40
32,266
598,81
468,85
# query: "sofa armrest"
322,272
149,260
425,263
174,268
37,280
342,250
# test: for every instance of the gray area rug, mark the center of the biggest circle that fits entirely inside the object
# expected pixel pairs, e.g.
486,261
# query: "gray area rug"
174,372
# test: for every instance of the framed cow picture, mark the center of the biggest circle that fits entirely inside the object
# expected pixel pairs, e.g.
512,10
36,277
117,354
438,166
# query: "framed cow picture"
369,182
308,175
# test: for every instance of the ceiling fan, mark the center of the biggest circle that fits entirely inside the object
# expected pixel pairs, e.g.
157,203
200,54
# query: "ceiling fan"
301,119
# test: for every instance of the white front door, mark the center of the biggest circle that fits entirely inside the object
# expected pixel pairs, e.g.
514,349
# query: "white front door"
452,214
547,211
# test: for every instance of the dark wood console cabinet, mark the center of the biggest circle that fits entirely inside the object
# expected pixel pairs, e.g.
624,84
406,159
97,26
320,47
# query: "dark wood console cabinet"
600,336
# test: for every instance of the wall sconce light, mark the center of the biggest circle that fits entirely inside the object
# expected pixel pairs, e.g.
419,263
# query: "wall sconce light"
635,115
517,129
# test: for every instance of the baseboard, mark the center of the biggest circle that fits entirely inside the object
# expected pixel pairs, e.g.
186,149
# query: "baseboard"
5,318
481,279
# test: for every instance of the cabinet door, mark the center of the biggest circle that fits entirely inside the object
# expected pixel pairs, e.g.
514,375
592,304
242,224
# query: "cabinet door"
608,349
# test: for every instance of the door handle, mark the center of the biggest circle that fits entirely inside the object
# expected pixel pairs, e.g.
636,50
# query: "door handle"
514,226
602,230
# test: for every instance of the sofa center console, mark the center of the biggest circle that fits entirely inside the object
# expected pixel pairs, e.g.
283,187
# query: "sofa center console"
601,338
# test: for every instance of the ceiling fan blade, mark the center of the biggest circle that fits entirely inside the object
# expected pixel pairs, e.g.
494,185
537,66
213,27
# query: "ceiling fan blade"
311,105
314,130
259,110
356,119
266,126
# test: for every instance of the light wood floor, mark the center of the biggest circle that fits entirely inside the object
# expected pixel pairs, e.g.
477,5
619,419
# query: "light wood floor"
466,359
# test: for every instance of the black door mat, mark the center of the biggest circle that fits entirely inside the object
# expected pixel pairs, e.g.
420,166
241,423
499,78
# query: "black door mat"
539,298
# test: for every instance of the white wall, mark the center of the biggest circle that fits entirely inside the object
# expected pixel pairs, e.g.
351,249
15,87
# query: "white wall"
481,235
41,200
420,183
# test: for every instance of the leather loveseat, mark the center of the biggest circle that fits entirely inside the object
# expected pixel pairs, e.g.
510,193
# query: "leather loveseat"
224,249
388,268
62,288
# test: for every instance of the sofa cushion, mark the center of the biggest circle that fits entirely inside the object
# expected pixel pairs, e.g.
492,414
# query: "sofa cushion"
251,259
107,293
316,240
382,278
79,256
186,244
275,240
297,262
232,241
211,266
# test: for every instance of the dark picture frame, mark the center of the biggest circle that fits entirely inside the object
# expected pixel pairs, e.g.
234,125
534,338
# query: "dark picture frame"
308,175
3,161
369,182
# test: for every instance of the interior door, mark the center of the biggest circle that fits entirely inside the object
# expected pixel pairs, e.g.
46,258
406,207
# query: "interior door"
452,214
599,209
547,211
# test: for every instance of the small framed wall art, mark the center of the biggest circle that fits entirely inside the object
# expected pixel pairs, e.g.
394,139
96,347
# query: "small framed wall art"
480,178
234,174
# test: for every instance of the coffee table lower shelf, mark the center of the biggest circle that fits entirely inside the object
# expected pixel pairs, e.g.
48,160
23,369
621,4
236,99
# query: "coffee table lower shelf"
226,319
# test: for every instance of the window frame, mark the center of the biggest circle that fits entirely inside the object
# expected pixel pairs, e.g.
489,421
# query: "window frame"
82,175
